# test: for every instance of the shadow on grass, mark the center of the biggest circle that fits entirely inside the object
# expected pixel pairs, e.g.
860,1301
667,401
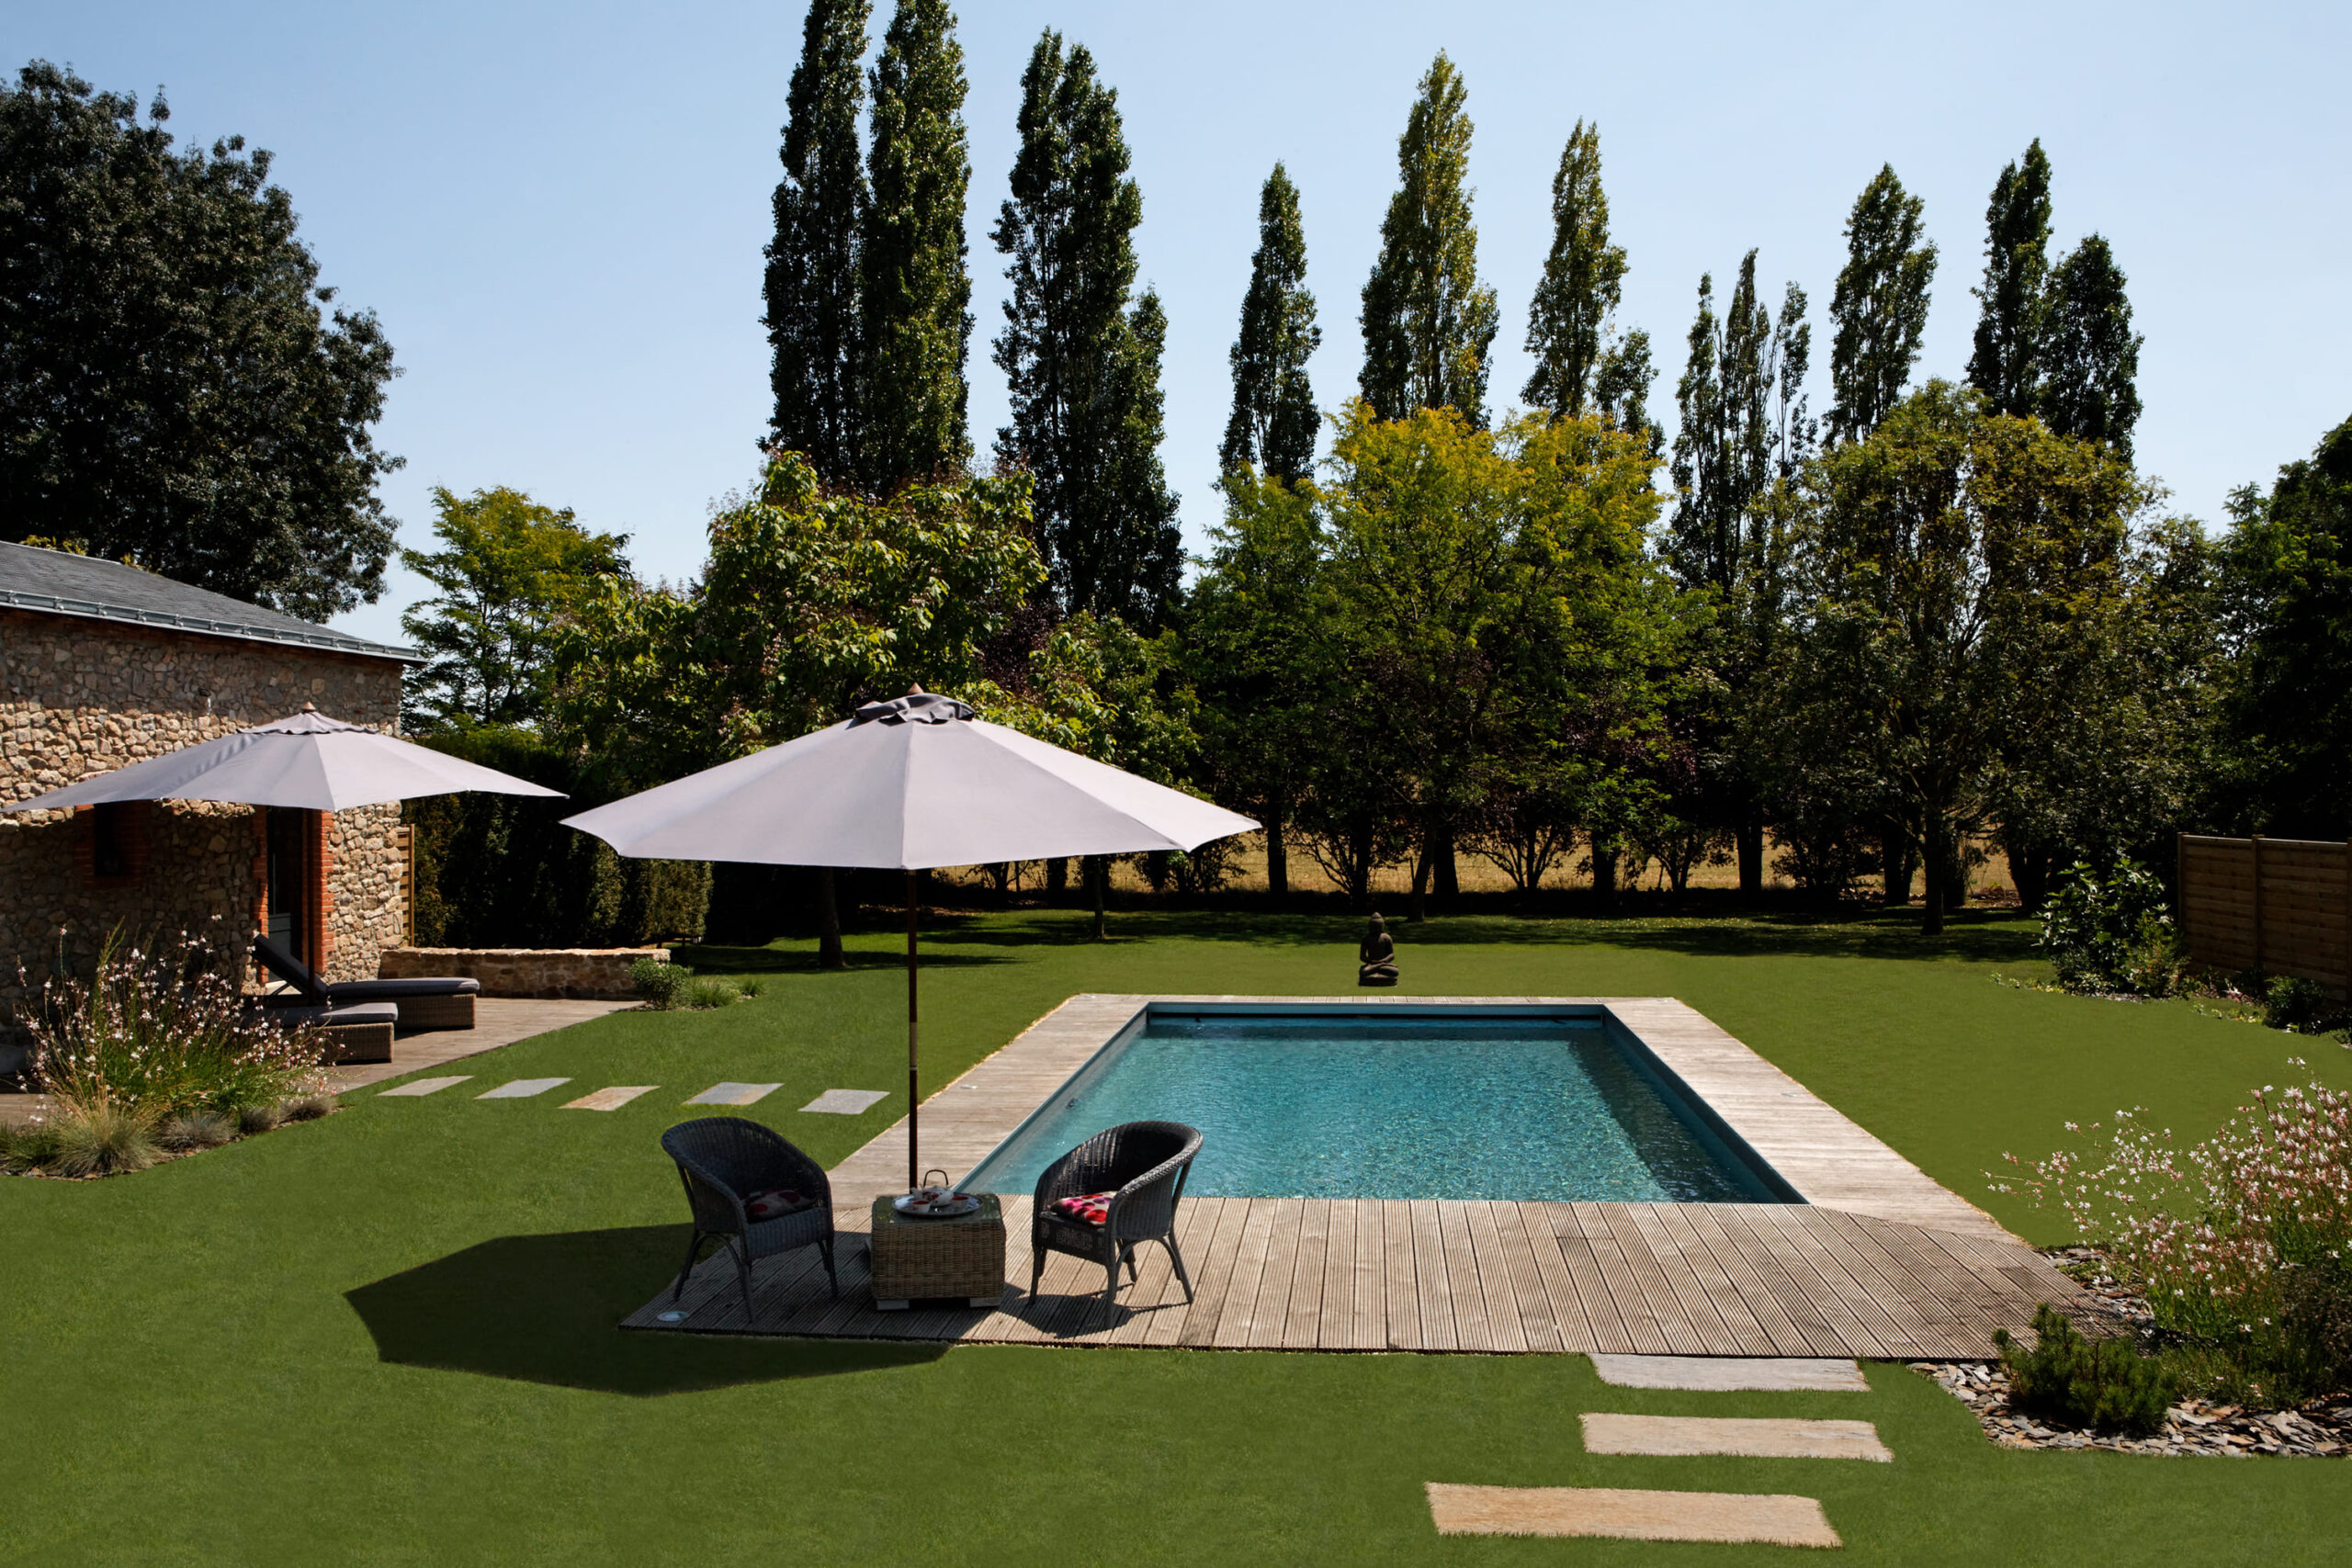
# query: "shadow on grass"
547,1309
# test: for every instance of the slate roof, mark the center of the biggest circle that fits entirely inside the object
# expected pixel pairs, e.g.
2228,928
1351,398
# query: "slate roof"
54,583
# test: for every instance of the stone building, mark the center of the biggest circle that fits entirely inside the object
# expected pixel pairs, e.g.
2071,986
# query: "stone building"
102,664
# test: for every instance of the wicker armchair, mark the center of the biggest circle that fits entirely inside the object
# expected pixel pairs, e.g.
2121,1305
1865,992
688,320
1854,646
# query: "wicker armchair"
721,1159
1143,1164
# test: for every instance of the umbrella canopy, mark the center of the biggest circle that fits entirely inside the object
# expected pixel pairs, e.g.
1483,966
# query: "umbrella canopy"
915,781
309,762
906,784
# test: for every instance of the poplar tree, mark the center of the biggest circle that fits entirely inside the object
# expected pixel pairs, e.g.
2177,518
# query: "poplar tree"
1083,363
812,273
1273,423
1621,391
1569,322
1428,324
917,319
2007,363
1880,306
1723,449
2090,354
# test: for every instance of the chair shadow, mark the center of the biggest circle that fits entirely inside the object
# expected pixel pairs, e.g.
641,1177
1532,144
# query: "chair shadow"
547,1309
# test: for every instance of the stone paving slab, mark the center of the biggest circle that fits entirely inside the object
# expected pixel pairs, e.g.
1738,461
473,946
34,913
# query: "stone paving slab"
498,1020
1771,1519
846,1101
1750,1436
735,1094
611,1099
522,1088
1728,1375
428,1086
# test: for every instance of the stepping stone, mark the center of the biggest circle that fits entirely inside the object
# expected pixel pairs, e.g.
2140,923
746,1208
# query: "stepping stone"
611,1099
428,1086
845,1101
1772,1518
1725,1374
522,1088
1765,1438
735,1094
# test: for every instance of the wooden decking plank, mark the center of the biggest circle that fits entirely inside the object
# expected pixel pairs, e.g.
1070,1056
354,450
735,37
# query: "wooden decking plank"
1197,1222
1213,1273
1432,1288
1153,1292
1570,1325
1670,1246
1744,1334
1523,1296
1913,1296
1270,1313
1303,1328
1239,1317
1648,1282
1368,1287
1336,1313
1400,1287
1779,1331
1505,1332
1868,1331
1473,1326
1611,1332
1794,1292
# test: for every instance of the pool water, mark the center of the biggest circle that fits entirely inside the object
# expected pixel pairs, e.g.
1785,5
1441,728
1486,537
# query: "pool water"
1371,1103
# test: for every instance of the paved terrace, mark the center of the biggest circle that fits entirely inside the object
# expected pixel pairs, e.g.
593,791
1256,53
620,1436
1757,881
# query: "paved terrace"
1879,1262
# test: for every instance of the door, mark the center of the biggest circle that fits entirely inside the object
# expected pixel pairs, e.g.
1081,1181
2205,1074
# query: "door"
288,889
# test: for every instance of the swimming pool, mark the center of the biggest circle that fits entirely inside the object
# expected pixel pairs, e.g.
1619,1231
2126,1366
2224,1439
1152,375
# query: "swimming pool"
1388,1100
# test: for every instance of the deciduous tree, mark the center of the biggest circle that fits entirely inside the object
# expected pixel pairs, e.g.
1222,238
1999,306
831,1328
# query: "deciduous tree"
1273,424
173,391
1428,324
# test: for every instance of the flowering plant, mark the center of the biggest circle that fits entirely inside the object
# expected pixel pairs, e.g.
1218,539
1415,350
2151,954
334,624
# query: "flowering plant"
2244,1238
156,1031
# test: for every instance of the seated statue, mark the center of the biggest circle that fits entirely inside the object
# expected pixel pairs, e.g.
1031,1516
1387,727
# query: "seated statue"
1376,954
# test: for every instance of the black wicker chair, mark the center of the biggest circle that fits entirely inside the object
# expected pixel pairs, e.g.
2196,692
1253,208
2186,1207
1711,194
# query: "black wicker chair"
1143,1164
721,1159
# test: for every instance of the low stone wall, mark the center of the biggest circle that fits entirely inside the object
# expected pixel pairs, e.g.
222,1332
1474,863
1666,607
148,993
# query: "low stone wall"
584,973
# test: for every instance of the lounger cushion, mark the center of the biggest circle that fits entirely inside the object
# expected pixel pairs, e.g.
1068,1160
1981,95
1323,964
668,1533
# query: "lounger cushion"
331,1016
342,992
1088,1209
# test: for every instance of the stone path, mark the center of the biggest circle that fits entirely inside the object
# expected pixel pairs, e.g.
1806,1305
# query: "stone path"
498,1020
1754,1436
1726,1375
1628,1515
522,1088
611,1099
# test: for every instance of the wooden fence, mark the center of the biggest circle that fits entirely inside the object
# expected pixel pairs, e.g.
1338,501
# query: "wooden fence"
2278,906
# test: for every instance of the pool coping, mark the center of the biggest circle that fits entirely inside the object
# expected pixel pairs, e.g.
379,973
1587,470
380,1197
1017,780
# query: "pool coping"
1825,1157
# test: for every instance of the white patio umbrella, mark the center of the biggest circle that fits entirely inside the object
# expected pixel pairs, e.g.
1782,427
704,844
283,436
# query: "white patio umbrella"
908,784
309,762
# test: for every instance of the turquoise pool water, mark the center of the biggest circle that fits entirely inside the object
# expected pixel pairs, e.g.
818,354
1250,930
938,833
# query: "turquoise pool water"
1373,1103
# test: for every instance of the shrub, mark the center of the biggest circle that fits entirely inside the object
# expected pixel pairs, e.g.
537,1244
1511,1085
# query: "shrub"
708,992
2111,933
2107,1385
2298,1006
751,986
101,1139
310,1107
197,1130
657,981
261,1117
2242,1242
162,1031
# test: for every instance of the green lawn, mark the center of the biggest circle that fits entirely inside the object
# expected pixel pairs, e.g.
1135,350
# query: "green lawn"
387,1337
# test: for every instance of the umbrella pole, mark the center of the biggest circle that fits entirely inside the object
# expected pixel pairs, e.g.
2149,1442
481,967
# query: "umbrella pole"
914,1169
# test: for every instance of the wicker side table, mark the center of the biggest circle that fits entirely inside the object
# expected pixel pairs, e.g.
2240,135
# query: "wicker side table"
925,1259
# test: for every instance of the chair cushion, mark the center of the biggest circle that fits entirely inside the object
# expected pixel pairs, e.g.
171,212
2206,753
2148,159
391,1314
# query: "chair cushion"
776,1205
342,992
1087,1209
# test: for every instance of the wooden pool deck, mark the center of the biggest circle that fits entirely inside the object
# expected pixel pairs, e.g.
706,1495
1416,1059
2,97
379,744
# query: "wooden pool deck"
1879,1261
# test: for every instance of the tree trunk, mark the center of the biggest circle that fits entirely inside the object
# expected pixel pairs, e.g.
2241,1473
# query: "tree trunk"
1939,858
829,921
1750,836
2030,868
1418,907
1605,874
1277,855
1445,877
1057,876
1898,858
1098,873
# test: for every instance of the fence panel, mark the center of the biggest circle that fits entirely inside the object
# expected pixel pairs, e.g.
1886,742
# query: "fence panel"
2279,906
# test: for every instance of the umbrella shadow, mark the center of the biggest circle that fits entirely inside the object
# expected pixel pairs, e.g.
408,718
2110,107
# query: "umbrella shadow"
547,1309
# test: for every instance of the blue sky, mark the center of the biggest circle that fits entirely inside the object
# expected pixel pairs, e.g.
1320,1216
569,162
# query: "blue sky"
557,210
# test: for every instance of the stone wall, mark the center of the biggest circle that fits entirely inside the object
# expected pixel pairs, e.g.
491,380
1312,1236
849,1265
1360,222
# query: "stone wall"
80,696
580,971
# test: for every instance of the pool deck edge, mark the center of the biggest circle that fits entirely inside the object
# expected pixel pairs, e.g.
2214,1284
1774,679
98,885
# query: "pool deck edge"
1831,1161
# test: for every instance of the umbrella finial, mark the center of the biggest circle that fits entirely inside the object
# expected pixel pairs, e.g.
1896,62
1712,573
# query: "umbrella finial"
309,708
915,690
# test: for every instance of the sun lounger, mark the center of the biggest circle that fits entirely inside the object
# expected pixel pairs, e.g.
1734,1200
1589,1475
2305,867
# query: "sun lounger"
435,1001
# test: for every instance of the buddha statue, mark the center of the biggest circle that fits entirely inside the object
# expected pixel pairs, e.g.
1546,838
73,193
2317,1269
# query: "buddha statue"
1376,954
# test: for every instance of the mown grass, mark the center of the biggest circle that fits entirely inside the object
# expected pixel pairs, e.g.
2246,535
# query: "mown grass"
387,1337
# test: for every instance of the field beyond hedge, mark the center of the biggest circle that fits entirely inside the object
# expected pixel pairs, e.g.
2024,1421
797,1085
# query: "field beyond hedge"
387,1336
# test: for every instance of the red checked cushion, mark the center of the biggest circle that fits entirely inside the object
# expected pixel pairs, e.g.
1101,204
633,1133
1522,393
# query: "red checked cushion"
1091,1209
775,1205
